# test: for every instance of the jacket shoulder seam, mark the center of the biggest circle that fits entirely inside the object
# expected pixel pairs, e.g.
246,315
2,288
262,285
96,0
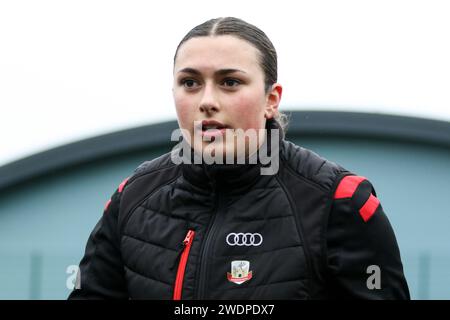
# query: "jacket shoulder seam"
299,175
154,170
312,178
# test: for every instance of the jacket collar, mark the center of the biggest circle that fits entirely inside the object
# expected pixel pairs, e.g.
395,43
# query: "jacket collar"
230,176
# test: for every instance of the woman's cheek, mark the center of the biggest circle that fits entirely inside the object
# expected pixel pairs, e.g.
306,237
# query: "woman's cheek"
249,112
185,111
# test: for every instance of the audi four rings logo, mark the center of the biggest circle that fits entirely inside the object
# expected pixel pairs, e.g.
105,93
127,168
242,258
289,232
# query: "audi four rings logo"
244,239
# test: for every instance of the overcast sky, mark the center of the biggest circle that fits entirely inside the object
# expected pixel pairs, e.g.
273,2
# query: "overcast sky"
70,70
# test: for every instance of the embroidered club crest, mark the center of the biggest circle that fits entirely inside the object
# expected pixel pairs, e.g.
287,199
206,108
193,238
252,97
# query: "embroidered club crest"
239,271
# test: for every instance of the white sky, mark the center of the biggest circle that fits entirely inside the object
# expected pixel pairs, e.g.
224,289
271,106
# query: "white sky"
70,70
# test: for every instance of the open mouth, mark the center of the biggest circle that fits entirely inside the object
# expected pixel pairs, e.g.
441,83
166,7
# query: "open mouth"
211,125
212,128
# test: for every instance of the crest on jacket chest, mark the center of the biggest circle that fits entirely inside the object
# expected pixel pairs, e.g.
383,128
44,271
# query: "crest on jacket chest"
240,272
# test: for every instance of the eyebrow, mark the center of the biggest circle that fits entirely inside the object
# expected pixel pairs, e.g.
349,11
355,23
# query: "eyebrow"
220,72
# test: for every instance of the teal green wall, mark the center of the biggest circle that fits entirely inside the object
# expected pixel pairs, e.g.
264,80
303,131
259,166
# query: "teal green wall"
45,223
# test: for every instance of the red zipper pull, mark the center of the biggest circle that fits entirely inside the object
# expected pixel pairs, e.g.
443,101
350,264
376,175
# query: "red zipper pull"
187,243
188,237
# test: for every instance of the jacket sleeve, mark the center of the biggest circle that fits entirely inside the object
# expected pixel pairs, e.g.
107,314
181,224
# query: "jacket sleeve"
362,252
101,271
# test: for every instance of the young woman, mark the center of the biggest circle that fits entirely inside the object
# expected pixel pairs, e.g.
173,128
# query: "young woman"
282,224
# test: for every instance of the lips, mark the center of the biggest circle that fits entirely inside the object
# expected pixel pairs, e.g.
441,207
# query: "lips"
213,128
212,124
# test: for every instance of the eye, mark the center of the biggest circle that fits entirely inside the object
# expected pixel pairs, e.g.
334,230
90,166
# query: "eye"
229,82
189,83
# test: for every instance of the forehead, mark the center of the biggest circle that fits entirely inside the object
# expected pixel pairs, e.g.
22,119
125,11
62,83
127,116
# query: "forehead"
217,52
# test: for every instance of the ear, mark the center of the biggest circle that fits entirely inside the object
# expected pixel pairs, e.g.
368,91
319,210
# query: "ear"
273,100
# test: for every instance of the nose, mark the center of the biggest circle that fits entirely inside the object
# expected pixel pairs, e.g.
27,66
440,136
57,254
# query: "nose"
209,102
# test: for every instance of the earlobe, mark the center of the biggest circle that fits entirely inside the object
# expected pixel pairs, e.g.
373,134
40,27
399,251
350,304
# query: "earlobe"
268,115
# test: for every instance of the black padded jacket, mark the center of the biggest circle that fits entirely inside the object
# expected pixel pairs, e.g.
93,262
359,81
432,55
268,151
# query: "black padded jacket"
313,230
